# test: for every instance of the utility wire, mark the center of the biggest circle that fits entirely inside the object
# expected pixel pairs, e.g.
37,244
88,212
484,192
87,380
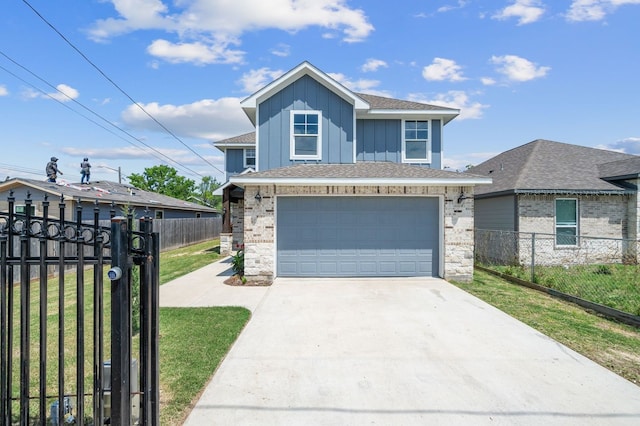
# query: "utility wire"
173,135
89,110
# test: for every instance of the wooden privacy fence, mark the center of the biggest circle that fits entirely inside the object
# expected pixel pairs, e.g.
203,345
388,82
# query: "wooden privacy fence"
175,233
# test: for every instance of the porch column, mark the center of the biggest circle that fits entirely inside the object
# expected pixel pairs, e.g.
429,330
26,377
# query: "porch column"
226,236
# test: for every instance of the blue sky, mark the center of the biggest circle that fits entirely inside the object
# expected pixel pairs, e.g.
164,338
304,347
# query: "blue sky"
519,70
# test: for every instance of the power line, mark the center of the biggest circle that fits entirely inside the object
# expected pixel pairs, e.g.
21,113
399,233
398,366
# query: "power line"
173,135
89,110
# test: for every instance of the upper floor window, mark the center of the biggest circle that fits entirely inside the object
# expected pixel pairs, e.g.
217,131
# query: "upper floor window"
306,135
566,222
416,146
250,158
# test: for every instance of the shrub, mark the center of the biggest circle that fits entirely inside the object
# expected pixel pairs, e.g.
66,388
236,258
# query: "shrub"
237,262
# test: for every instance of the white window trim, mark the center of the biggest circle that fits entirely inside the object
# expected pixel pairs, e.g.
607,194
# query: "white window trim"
158,211
426,160
244,157
292,154
556,226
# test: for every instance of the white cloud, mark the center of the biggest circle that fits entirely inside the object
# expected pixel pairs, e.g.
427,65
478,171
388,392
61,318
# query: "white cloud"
373,65
206,119
461,161
629,145
487,81
362,85
205,29
447,8
64,93
516,68
527,11
594,10
197,53
3,90
443,69
454,99
282,50
255,80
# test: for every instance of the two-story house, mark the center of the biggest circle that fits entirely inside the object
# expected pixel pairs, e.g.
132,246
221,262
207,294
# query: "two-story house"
337,183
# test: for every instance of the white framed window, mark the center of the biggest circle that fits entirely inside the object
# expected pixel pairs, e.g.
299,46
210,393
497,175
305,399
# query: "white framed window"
250,157
416,143
159,214
306,135
566,221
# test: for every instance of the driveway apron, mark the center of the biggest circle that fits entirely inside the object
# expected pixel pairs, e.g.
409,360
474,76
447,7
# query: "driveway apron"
403,352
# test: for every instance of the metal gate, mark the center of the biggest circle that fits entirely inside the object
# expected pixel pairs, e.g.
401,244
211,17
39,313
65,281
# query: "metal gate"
74,350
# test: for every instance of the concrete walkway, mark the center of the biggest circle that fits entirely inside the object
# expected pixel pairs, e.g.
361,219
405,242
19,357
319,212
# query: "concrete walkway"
398,352
205,287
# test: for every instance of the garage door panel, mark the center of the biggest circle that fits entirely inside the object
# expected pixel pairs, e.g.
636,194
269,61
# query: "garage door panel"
357,236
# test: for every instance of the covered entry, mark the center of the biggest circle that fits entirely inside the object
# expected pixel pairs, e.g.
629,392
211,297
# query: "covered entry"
357,236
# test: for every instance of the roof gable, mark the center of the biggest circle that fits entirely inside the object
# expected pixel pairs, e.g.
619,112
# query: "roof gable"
548,166
250,104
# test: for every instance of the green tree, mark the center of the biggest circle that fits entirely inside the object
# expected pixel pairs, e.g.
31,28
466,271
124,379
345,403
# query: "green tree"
164,180
204,193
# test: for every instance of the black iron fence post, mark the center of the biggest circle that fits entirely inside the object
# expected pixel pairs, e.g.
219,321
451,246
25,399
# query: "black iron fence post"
120,323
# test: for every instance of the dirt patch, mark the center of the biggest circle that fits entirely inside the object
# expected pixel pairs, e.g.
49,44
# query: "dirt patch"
235,280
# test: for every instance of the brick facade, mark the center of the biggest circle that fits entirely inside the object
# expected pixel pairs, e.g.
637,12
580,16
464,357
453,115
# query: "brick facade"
610,219
259,224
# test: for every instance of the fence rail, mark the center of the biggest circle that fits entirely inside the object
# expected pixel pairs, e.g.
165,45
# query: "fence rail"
603,271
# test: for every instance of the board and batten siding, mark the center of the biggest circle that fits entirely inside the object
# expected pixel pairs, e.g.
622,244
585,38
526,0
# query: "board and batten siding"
274,118
381,140
234,161
497,213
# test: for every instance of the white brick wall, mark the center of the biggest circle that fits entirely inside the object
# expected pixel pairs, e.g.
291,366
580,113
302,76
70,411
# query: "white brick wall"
604,216
259,220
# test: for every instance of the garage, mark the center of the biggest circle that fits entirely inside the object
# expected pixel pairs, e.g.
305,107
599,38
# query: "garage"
357,236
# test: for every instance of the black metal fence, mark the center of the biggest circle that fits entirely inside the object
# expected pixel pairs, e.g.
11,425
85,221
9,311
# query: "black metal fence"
68,354
602,271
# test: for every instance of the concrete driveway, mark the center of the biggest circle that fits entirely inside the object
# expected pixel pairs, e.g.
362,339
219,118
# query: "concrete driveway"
403,352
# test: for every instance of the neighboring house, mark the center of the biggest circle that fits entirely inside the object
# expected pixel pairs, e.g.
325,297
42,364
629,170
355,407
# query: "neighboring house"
567,190
337,183
105,195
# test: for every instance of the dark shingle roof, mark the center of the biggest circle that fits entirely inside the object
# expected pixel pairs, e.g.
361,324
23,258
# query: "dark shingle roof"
247,138
547,166
380,102
629,168
106,192
361,170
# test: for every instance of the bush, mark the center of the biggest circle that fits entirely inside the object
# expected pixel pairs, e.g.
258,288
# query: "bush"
237,262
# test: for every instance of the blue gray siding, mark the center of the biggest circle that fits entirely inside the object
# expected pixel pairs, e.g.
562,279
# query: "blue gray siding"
381,140
497,213
234,161
304,94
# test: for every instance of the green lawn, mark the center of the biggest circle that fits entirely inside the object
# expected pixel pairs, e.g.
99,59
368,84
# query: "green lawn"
192,341
613,345
615,285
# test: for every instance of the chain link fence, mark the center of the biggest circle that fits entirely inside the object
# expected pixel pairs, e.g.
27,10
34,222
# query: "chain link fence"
604,271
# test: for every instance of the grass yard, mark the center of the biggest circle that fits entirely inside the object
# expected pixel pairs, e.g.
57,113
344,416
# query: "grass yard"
178,262
613,345
616,286
193,341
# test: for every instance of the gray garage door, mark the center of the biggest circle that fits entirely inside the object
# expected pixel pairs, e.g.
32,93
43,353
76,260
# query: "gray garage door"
357,236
